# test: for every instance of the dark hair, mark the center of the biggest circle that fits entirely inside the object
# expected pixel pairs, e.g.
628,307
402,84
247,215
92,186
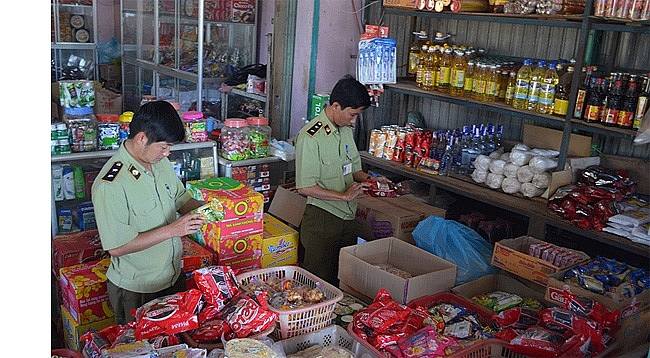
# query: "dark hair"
159,121
349,92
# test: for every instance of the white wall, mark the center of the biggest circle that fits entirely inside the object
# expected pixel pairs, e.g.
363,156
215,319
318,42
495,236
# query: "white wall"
338,37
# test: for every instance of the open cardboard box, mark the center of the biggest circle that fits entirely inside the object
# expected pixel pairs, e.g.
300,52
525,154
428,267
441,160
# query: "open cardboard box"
360,274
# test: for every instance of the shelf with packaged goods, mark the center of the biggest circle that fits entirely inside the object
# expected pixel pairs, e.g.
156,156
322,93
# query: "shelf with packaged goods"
72,157
409,87
535,209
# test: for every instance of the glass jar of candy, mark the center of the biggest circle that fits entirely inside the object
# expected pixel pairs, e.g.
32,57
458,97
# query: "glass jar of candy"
108,131
195,127
234,139
259,137
82,127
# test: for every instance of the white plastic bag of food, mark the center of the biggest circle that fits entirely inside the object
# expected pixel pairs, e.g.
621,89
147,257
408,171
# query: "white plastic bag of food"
494,180
482,162
510,170
530,191
524,174
541,180
496,166
510,185
539,164
479,175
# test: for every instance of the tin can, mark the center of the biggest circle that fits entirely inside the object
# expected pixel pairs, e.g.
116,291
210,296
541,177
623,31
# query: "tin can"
374,141
409,157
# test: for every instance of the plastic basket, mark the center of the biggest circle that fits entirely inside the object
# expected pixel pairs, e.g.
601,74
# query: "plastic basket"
489,348
295,322
328,336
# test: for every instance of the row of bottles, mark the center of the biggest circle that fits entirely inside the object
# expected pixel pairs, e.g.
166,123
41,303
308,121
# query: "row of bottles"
620,99
452,151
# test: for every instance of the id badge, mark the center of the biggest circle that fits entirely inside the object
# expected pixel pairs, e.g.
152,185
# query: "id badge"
347,169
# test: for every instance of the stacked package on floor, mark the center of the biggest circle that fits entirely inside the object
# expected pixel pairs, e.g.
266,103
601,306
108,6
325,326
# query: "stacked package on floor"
233,227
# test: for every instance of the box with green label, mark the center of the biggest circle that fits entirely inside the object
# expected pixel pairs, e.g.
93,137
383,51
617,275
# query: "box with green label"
318,103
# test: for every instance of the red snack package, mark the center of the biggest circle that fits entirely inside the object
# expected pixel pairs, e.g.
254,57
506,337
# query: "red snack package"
94,343
569,324
592,309
212,332
517,318
537,341
217,283
208,313
167,315
383,190
246,316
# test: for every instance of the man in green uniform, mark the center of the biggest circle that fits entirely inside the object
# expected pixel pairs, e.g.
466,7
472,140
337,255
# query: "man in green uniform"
136,197
328,172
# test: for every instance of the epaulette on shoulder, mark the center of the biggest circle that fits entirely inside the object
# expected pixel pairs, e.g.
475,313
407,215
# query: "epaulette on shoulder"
314,128
111,174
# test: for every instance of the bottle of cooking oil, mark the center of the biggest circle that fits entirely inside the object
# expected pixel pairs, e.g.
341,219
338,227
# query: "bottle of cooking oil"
469,77
535,85
437,54
520,98
547,89
444,71
419,74
414,52
429,70
458,70
510,87
492,84
480,82
503,82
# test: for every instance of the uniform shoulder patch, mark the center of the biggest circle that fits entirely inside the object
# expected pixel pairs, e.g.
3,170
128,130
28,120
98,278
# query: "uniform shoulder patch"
111,174
328,130
314,128
135,172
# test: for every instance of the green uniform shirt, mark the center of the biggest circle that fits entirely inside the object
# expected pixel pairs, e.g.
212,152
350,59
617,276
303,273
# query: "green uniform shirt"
327,157
128,199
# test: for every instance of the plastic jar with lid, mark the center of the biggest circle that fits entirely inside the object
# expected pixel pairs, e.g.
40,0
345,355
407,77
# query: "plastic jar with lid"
125,125
259,137
108,131
82,127
234,139
195,127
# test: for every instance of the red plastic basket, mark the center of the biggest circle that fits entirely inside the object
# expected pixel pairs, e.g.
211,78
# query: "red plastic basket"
489,348
302,320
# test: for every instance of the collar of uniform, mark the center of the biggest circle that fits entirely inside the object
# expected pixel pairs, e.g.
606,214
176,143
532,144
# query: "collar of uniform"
129,161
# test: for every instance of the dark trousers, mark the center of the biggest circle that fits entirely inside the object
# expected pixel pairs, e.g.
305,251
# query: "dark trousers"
123,301
322,236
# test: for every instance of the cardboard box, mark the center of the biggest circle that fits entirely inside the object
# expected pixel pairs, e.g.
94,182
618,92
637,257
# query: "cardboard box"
512,255
358,270
497,282
84,291
194,256
547,138
75,248
628,306
241,202
634,331
72,331
288,205
245,253
199,188
280,243
397,217
222,236
404,4
107,102
110,72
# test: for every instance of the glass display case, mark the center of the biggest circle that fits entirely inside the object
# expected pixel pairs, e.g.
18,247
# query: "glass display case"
73,38
182,50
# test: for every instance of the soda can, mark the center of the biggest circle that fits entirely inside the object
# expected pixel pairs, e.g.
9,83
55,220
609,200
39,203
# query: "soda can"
398,153
391,138
374,141
388,152
409,156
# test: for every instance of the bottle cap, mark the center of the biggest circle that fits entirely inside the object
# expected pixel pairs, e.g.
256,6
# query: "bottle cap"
235,122
79,111
109,117
257,121
192,115
126,117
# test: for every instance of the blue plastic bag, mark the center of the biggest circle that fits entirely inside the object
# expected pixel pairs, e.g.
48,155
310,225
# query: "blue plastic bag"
108,52
458,244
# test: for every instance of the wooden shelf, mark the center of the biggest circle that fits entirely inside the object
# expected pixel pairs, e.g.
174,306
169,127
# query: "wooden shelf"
534,208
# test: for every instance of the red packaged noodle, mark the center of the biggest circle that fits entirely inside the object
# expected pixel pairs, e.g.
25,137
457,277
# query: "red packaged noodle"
167,315
217,283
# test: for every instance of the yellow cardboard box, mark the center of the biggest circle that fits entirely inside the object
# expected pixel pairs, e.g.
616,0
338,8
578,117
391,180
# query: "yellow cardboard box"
280,243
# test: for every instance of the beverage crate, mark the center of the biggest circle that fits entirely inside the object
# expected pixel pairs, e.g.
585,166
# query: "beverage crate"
489,348
294,322
324,337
